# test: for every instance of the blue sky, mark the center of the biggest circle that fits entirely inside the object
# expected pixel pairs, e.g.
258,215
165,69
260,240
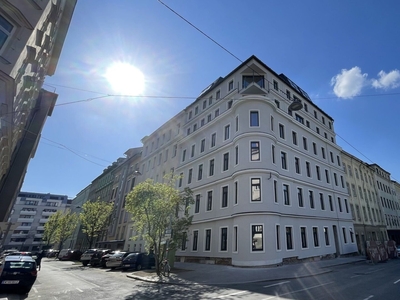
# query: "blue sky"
344,54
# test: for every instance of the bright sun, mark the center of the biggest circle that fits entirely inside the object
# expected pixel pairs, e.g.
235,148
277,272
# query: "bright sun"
125,79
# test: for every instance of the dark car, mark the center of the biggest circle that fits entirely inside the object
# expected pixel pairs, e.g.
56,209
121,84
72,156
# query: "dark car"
106,257
17,273
115,260
96,259
138,261
89,254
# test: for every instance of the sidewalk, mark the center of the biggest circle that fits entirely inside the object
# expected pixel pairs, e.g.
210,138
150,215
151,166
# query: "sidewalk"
193,273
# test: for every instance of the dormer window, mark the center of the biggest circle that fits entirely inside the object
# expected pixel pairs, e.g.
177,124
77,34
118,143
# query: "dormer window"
247,80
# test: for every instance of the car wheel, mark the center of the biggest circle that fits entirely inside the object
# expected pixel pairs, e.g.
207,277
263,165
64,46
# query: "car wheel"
138,267
84,263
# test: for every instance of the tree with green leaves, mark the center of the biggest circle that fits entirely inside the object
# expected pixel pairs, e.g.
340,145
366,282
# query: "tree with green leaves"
158,208
50,228
66,227
95,218
59,227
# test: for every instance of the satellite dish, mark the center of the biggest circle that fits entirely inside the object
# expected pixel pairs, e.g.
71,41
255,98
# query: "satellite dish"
295,105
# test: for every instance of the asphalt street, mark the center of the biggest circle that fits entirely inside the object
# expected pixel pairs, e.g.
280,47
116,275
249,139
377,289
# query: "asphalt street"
65,280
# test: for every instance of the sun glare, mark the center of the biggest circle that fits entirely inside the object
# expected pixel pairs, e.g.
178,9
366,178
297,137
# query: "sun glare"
125,79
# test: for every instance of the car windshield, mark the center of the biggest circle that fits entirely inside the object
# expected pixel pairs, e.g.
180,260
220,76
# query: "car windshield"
119,254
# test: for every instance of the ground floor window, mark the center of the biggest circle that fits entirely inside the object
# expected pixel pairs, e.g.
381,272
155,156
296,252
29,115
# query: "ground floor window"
257,237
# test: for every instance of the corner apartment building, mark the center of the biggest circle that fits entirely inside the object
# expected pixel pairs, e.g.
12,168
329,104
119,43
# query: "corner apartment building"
32,34
369,224
266,172
29,214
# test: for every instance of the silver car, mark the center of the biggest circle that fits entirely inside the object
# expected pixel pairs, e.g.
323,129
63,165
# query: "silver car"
115,260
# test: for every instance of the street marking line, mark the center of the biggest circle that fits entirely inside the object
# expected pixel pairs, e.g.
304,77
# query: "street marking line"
305,289
369,297
275,284
79,290
396,281
35,289
233,294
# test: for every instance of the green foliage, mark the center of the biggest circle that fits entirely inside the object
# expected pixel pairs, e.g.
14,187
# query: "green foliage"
156,207
95,218
60,227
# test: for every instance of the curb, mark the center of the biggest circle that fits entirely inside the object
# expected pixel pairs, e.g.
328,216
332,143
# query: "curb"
144,279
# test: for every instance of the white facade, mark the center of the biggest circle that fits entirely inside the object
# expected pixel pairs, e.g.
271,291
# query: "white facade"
268,182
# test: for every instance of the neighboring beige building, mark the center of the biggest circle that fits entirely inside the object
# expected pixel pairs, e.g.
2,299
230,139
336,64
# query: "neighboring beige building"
365,205
32,33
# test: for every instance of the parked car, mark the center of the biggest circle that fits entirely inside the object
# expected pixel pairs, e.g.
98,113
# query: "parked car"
138,261
115,260
97,257
52,253
17,273
68,254
106,257
88,254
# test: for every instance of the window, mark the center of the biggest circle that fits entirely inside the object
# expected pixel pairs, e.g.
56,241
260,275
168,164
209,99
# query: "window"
346,206
323,152
224,239
286,194
5,30
255,189
200,172
194,127
294,137
236,155
278,104
311,197
209,118
330,202
276,88
197,204
237,123
230,85
195,239
300,197
318,173
272,123
288,94
175,150
283,160
314,148
255,151
230,104
183,155
278,241
213,139
226,131
315,235
218,95
326,236
180,179
308,123
305,143
327,175
216,113
257,238
306,107
249,79
211,169
207,246
315,114
190,176
183,241
193,150
225,165
204,104
236,192
322,201
308,169
254,120
235,239
344,235
289,238
273,153
299,118
317,129
202,145
225,196
303,237
209,200
210,100
281,131
297,165
275,191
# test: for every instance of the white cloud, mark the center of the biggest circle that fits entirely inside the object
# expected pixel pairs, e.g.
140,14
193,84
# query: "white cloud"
386,81
349,83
